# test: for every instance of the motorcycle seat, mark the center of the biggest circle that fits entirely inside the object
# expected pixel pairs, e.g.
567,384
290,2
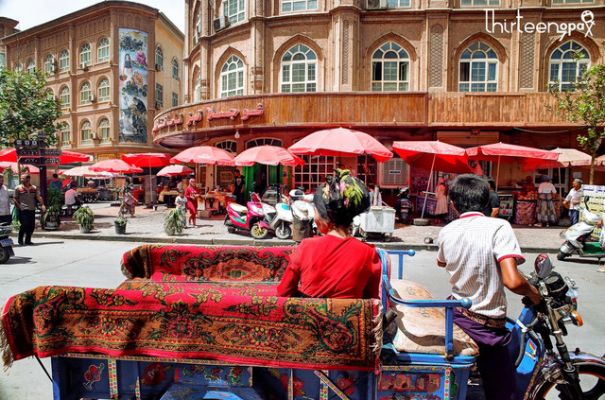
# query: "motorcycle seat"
238,208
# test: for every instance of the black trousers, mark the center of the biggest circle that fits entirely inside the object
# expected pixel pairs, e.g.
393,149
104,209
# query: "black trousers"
6,219
27,218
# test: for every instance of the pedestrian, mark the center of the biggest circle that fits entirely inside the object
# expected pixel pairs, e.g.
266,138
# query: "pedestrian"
72,198
492,207
573,201
238,188
481,255
181,205
27,197
441,208
55,183
545,213
192,194
6,217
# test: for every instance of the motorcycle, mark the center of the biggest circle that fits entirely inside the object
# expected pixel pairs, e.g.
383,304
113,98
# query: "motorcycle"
249,218
303,212
575,237
279,218
6,243
403,206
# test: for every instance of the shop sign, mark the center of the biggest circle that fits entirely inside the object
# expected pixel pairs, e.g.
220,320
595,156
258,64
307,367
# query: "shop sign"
394,172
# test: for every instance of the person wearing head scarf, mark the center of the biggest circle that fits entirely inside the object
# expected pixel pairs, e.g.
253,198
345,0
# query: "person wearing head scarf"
335,265
545,210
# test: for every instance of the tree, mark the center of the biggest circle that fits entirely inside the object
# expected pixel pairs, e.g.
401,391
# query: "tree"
585,103
26,108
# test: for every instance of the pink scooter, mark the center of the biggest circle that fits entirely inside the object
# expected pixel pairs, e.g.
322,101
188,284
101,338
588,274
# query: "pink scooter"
250,218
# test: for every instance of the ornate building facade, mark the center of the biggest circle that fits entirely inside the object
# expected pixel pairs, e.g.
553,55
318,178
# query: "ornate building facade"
454,70
112,66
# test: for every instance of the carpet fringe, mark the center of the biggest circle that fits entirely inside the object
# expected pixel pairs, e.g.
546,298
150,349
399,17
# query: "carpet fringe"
7,354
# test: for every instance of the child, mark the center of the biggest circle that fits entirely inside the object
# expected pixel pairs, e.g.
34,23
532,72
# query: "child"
481,255
181,205
335,265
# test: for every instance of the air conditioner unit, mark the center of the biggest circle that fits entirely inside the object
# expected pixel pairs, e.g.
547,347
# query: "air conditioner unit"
84,66
158,67
93,98
220,23
376,4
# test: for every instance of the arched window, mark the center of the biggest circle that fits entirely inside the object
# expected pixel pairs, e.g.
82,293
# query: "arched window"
175,68
568,62
235,10
64,60
31,66
299,70
49,64
104,130
66,134
390,69
159,58
232,77
85,55
85,93
298,5
228,145
263,142
64,96
104,90
103,50
478,69
86,132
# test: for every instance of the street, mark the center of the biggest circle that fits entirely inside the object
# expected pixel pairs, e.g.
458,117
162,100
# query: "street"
97,264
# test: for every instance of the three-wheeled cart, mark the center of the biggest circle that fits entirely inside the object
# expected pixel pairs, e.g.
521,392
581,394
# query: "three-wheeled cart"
377,221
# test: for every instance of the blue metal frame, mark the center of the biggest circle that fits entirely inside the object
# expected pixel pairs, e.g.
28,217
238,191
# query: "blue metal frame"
389,295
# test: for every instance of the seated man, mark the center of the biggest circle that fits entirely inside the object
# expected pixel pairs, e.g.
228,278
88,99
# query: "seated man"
481,255
72,198
335,265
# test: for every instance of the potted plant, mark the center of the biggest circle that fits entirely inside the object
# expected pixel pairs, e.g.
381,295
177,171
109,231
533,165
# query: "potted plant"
85,218
51,219
120,225
174,222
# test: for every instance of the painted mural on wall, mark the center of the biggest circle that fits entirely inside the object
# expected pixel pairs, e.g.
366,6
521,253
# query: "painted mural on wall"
133,86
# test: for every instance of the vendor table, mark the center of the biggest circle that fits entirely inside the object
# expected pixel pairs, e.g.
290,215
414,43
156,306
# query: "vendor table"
168,197
88,195
217,201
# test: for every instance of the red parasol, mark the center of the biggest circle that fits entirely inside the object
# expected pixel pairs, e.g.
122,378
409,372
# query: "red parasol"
115,166
15,167
86,172
341,142
66,157
567,158
147,160
209,155
175,170
268,155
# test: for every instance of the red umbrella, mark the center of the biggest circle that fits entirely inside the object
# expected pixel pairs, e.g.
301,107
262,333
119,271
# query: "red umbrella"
115,166
175,170
510,152
204,155
431,155
341,142
15,168
66,157
268,155
567,158
148,160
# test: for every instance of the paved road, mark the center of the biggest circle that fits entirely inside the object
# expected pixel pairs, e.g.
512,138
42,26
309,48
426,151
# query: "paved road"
96,263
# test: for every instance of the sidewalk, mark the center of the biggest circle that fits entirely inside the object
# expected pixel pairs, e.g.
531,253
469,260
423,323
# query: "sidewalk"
147,226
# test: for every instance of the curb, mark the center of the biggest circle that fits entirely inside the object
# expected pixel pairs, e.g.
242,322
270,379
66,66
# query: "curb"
243,242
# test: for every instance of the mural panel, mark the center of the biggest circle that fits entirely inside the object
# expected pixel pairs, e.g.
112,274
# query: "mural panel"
133,86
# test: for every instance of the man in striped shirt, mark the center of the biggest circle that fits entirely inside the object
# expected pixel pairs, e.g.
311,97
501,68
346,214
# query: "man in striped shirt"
481,255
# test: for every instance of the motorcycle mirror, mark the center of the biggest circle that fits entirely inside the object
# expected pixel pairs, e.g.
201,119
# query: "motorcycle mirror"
543,266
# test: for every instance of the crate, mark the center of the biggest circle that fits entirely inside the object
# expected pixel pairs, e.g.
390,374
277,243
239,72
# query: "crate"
378,220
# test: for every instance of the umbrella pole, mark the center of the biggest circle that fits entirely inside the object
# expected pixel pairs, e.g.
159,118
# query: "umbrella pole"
150,194
498,173
428,185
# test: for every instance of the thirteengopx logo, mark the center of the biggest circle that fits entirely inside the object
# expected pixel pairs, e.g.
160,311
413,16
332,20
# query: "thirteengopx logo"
562,28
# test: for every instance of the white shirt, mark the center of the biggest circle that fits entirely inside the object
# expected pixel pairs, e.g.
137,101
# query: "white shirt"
471,248
5,207
547,187
574,196
70,197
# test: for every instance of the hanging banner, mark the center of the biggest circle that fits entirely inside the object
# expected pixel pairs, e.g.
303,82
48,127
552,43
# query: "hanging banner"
133,86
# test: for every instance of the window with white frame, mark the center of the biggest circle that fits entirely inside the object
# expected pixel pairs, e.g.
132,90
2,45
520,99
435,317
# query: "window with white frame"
314,171
2,60
49,64
232,77
478,69
86,132
175,99
299,70
104,94
390,69
103,50
479,3
398,3
31,66
298,5
66,134
64,96
159,58
263,142
571,1
85,55
104,130
175,69
228,145
568,63
64,60
159,96
85,93
235,10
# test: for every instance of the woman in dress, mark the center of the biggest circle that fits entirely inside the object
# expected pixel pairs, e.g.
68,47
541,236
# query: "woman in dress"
545,213
191,194
441,209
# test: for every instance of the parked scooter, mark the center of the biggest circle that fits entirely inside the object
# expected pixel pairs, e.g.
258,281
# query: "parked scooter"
250,218
576,237
403,206
6,243
279,218
303,213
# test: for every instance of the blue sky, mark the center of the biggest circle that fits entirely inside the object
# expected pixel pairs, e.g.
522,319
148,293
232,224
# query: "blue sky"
46,10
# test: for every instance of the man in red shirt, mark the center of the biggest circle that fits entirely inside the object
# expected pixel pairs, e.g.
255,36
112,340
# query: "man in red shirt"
335,265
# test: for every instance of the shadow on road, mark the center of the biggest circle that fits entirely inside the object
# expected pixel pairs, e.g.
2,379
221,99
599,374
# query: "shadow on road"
17,260
591,261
